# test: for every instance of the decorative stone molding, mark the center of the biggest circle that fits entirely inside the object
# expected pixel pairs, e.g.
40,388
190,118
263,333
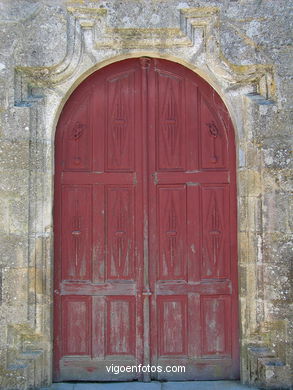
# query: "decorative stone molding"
199,30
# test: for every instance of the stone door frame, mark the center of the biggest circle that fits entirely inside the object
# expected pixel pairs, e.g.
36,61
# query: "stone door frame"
41,92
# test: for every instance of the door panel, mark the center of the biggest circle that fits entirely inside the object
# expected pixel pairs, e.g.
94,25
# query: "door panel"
76,328
98,251
120,148
171,204
145,227
76,232
193,302
215,229
171,137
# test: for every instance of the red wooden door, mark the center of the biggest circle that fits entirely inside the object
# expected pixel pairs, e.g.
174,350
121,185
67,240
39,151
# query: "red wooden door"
145,227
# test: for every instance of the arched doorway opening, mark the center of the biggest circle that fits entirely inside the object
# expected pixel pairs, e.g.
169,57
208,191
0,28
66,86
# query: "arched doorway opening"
145,228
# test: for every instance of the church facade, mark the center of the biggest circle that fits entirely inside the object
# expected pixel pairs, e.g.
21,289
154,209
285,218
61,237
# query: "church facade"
145,190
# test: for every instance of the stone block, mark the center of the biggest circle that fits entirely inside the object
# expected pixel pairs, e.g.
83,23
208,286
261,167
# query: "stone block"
14,154
277,212
250,214
46,46
277,152
16,124
12,313
13,214
14,286
14,182
279,180
253,156
248,247
277,248
277,282
249,182
41,155
13,250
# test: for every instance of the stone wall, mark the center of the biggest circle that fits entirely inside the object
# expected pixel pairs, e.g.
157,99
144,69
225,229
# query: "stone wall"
243,49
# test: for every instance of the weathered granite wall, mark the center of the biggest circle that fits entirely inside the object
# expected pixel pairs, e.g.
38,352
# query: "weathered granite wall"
243,48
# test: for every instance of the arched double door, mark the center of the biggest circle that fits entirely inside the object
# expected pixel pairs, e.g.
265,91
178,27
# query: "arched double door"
145,227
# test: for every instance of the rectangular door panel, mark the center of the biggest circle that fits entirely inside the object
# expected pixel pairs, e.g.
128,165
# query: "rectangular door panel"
215,261
76,232
120,222
172,232
121,326
172,324
120,140
76,321
171,131
216,320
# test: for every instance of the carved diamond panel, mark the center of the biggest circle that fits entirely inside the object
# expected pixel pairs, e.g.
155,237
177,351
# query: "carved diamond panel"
171,130
120,123
172,227
76,231
120,232
216,254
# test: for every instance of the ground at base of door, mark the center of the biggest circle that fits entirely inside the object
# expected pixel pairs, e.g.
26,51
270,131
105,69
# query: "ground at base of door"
198,385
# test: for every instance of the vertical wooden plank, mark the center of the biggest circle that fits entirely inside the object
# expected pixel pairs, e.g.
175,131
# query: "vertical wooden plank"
98,250
99,122
193,248
192,126
153,242
194,326
146,292
98,327
139,188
